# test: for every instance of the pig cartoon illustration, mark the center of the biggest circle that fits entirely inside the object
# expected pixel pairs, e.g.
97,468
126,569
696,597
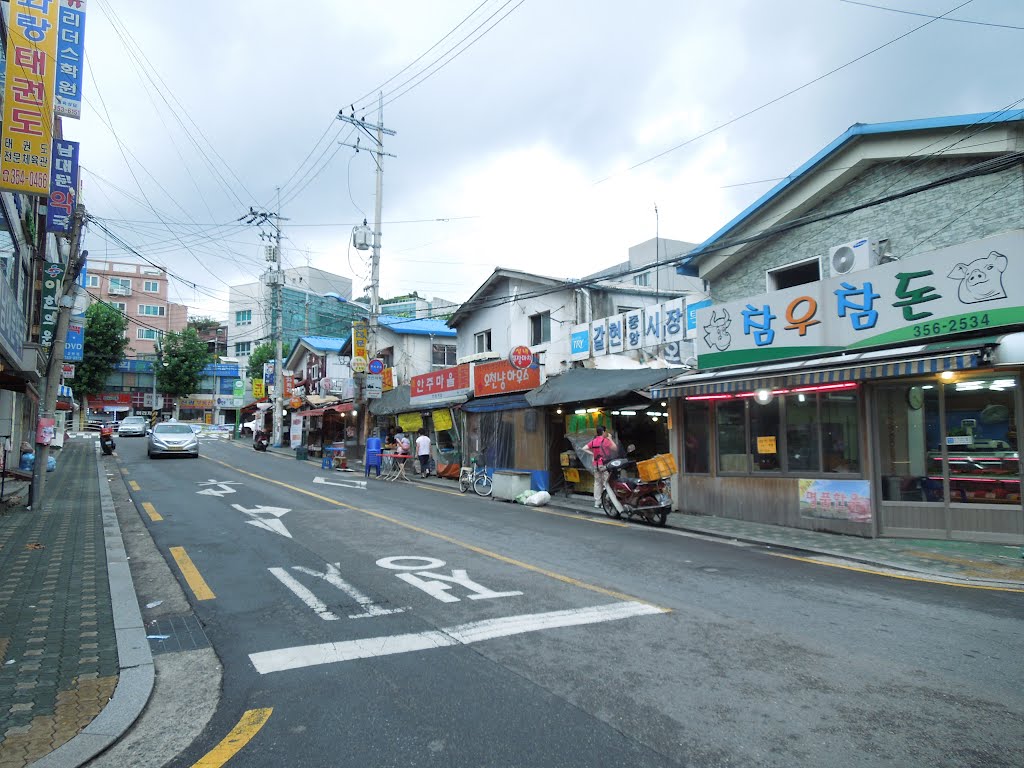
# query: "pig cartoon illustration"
982,279
716,333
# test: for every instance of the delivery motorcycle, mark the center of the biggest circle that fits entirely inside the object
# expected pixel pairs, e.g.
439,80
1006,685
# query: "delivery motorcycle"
107,440
260,440
648,500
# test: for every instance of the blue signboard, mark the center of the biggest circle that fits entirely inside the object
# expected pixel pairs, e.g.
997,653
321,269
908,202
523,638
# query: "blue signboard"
691,313
220,369
74,341
67,92
63,186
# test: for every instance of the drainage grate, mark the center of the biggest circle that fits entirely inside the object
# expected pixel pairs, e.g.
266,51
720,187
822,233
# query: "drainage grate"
176,633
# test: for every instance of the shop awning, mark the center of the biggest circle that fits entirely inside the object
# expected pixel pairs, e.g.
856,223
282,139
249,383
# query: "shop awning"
919,360
337,407
321,400
497,403
584,384
396,401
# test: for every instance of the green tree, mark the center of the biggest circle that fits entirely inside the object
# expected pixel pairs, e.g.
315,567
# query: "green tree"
184,356
264,353
104,348
203,324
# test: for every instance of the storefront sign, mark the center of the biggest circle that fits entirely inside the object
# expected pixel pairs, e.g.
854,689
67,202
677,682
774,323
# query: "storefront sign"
836,499
26,137
410,422
360,339
295,433
649,328
53,284
766,444
976,286
259,390
238,388
99,402
520,357
74,340
12,322
500,377
63,186
441,385
196,401
442,419
70,64
359,364
67,371
388,380
227,401
691,315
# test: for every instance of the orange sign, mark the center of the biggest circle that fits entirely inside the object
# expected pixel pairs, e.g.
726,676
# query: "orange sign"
521,357
440,385
502,377
387,381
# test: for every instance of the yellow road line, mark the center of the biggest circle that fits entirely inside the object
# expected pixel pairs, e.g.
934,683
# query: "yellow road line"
240,735
451,540
151,511
895,575
133,485
195,581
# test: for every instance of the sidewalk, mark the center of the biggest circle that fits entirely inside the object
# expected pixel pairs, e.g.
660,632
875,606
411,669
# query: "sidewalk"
65,644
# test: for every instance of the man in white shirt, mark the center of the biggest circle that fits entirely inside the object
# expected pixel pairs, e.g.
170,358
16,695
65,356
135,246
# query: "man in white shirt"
423,452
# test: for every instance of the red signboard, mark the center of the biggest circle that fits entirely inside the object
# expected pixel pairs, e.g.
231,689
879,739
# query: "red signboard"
96,402
440,385
521,357
501,377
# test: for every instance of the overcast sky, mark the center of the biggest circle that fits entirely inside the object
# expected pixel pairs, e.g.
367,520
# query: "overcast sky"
517,152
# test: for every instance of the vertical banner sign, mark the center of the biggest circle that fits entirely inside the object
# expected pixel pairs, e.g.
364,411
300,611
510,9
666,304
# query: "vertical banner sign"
599,337
28,96
633,329
63,186
579,339
74,344
70,53
673,320
616,334
360,338
652,327
53,281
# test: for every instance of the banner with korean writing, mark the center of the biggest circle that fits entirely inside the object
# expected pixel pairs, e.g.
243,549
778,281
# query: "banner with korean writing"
63,186
441,385
360,339
500,378
388,380
27,130
70,58
74,341
53,283
259,390
972,287
836,499
442,419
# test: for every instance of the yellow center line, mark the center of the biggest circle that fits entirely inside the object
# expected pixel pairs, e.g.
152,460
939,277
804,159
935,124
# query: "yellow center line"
151,511
195,581
240,735
133,485
442,537
894,575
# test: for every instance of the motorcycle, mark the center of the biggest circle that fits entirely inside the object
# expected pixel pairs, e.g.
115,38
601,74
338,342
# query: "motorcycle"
260,440
647,500
107,444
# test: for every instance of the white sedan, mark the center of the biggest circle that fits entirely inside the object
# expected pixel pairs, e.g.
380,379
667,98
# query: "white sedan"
132,425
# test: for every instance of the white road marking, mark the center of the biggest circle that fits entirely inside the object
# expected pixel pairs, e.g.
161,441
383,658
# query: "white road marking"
301,656
271,523
434,585
224,486
259,509
347,484
333,577
274,526
318,606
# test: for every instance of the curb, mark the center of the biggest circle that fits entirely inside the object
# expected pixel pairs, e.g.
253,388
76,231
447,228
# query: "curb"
137,673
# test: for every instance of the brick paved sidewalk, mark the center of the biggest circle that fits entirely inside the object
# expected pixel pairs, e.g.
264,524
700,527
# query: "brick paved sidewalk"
58,650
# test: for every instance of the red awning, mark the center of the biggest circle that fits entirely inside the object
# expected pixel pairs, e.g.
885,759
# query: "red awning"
339,408
313,412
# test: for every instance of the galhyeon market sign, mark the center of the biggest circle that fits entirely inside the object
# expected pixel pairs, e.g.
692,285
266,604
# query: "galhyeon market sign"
975,286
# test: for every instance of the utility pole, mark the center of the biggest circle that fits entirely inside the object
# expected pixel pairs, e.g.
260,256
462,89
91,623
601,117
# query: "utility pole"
657,255
51,384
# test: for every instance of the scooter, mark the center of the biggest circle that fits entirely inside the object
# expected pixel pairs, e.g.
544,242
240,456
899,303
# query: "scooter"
260,440
107,440
646,500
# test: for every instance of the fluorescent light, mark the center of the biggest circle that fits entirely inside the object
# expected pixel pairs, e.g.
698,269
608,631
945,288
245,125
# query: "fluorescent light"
580,410
628,413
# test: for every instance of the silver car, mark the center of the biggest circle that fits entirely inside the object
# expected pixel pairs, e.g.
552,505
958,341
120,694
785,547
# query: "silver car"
133,425
175,439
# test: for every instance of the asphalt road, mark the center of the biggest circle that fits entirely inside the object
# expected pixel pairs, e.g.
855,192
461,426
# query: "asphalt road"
406,625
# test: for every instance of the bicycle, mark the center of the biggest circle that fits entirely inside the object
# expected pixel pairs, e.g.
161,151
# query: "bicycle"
476,478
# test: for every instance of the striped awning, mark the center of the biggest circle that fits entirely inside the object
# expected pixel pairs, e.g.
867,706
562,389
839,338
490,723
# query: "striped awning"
818,372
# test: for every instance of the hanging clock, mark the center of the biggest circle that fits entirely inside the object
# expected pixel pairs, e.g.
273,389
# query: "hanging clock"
915,398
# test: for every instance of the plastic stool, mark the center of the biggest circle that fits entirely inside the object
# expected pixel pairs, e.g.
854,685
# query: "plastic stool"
328,460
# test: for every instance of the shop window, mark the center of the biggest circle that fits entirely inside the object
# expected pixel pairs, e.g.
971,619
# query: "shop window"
695,437
839,432
732,436
908,426
981,442
482,342
764,435
540,328
802,434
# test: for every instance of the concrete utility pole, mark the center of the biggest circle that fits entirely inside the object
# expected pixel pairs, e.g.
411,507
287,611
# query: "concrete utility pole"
51,382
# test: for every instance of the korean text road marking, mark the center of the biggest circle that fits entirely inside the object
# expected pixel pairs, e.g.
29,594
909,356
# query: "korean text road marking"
332,575
438,585
223,486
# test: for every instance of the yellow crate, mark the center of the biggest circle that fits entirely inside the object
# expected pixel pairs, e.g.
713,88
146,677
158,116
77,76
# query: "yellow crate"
668,464
659,467
571,474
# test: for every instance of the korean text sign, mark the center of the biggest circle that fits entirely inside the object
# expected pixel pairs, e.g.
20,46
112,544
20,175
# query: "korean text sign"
63,185
28,96
360,338
70,58
974,286
500,377
53,284
441,385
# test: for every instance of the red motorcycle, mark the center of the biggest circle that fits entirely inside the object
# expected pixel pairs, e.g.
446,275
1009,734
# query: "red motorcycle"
643,499
107,439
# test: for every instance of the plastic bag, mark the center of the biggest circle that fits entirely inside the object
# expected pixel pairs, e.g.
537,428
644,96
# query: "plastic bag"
538,499
51,463
28,461
522,497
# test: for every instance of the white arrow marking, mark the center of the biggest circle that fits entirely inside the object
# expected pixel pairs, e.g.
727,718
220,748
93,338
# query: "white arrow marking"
259,509
274,525
348,484
224,486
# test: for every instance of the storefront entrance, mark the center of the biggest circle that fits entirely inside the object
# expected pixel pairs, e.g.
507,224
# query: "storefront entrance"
947,461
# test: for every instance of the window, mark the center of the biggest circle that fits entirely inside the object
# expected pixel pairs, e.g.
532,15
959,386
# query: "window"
151,286
540,328
695,448
840,446
644,278
732,436
442,355
152,310
622,310
482,342
244,317
800,273
148,334
243,347
764,435
120,306
120,286
802,433
94,281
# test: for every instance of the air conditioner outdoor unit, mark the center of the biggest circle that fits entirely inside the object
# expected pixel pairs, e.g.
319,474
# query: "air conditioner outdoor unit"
854,256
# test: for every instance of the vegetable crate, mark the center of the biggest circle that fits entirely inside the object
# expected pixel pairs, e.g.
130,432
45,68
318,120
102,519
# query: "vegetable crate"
661,466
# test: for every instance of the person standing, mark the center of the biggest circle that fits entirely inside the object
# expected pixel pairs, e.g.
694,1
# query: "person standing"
603,449
423,452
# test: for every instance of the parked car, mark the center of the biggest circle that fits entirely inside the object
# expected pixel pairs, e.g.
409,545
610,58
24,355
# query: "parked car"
133,425
172,439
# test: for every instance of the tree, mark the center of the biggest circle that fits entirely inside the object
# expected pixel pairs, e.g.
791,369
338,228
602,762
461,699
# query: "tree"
103,350
264,353
204,324
184,356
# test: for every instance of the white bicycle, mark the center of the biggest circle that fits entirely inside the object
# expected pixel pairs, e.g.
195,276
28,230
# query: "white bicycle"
476,478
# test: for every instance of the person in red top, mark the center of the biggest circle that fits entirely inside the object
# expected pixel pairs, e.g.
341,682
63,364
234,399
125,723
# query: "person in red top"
603,449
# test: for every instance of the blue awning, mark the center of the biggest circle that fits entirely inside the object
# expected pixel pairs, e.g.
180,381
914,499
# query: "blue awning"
497,403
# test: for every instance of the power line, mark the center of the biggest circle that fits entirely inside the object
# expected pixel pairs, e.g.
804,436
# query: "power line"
930,16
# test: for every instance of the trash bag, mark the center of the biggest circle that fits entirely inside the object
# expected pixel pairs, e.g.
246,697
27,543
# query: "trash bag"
28,460
538,499
51,463
522,497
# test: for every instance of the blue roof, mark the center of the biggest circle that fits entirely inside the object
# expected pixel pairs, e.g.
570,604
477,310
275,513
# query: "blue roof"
855,130
417,327
324,343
